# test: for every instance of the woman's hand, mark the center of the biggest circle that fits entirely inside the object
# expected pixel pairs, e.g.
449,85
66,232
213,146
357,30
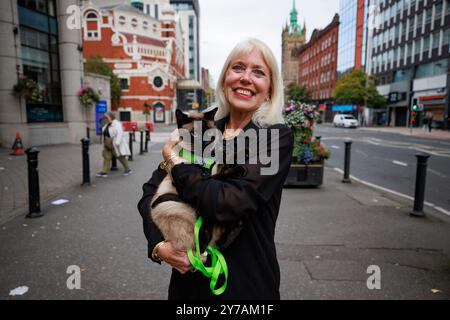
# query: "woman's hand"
169,149
175,258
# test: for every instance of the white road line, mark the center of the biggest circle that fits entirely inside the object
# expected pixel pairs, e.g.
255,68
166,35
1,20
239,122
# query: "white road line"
363,153
437,173
446,212
403,164
335,147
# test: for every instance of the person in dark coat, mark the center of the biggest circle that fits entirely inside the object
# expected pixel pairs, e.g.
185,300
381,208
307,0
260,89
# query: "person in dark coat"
250,98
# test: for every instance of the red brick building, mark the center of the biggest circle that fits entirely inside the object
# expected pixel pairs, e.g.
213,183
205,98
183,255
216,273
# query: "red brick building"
318,63
144,52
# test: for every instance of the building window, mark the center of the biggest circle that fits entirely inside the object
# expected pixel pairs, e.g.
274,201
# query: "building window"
436,40
429,16
156,12
426,45
122,20
134,22
145,25
438,13
40,58
158,82
402,75
124,84
432,69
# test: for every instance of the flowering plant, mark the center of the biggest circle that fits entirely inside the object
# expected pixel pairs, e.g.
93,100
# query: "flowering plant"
301,118
27,88
88,96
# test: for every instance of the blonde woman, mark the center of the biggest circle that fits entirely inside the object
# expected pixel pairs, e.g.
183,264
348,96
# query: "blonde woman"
249,99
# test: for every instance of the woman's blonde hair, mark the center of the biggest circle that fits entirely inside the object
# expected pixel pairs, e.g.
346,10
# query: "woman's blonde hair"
268,113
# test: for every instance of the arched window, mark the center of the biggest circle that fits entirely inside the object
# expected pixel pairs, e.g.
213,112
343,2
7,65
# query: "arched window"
92,26
134,22
122,20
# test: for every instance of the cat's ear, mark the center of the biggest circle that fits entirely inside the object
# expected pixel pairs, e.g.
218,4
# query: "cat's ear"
182,118
210,113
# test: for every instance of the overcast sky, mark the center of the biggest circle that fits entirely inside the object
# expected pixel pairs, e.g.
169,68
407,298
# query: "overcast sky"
223,23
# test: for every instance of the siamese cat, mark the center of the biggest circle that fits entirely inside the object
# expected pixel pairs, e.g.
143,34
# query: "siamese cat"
175,218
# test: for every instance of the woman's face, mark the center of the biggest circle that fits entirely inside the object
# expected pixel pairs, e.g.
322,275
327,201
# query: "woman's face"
247,82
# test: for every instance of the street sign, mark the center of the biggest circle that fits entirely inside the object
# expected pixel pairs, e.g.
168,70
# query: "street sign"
100,110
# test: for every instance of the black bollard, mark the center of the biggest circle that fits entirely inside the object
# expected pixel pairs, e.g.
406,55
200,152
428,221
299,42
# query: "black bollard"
318,139
33,183
141,144
348,150
85,153
114,163
88,133
421,176
130,158
147,138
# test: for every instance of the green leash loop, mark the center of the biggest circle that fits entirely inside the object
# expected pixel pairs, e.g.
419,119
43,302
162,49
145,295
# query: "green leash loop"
218,265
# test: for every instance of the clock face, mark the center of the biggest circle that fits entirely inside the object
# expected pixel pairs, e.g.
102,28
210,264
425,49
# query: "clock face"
158,82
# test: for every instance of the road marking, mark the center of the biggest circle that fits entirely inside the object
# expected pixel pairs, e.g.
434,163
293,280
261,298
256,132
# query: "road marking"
363,153
403,164
437,173
429,204
335,147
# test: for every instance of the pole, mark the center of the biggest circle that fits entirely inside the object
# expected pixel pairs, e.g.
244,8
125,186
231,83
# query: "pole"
348,150
141,143
147,138
421,175
85,153
130,158
33,183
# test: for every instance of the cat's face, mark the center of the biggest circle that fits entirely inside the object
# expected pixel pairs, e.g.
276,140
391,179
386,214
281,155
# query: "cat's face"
193,119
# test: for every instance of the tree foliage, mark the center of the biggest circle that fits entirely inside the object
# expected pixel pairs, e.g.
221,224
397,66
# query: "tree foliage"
96,64
298,93
352,89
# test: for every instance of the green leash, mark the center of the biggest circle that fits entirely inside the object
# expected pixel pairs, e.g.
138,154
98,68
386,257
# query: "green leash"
218,265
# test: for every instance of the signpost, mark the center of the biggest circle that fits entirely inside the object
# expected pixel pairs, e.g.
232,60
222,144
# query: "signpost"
100,110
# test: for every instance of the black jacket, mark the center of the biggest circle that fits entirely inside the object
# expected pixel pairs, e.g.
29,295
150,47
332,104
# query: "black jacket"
254,198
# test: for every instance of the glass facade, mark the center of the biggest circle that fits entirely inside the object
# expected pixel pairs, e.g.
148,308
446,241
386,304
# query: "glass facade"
347,36
40,57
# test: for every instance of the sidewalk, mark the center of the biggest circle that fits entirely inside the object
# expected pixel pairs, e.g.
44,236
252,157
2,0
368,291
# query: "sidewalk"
326,239
416,132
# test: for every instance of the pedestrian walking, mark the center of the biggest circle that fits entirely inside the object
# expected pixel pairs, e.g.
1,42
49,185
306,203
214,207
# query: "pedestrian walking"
114,144
249,98
429,117
425,123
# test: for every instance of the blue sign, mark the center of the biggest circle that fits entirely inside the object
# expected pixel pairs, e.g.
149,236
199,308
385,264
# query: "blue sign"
100,109
344,108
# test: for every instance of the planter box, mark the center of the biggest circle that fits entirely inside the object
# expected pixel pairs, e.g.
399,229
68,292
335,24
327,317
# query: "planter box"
305,175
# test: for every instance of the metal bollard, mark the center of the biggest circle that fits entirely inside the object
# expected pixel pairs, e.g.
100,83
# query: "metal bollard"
33,183
141,144
85,153
421,176
147,138
114,164
348,150
318,139
87,133
130,158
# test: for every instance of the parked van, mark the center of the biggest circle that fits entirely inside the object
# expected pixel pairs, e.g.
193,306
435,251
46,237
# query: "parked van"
345,120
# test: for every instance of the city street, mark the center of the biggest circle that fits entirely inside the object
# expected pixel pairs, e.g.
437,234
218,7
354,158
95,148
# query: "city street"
388,160
326,239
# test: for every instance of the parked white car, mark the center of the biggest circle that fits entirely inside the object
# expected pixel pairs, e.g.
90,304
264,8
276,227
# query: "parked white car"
345,120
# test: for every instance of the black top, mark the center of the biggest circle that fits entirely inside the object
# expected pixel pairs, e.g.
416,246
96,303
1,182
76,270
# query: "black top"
254,198
106,131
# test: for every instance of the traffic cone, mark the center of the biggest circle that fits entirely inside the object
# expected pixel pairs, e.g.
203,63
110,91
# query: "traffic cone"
17,146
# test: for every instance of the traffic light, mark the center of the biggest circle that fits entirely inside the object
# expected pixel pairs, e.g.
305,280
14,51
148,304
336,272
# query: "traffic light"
415,105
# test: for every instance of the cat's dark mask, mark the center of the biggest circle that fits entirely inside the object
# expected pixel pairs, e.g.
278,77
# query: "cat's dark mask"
189,120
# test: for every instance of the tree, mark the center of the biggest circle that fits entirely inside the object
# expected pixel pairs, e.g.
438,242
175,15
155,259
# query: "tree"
298,93
96,64
352,89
